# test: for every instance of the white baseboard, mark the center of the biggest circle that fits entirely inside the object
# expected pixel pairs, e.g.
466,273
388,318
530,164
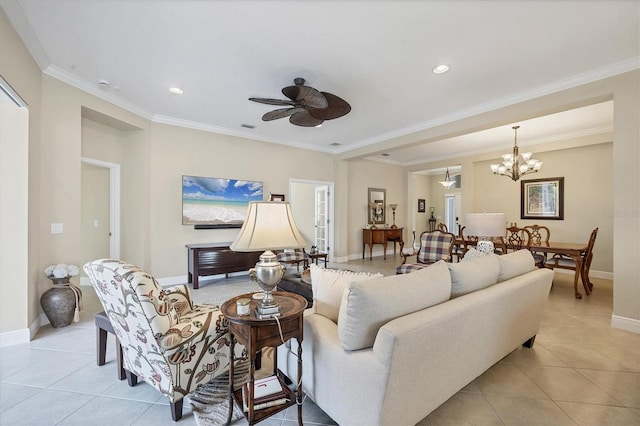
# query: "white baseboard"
593,274
627,324
15,337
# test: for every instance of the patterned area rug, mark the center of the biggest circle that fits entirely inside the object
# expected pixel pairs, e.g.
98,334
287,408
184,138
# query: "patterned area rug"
210,402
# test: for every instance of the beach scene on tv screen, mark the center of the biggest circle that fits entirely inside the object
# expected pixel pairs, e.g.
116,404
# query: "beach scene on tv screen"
213,201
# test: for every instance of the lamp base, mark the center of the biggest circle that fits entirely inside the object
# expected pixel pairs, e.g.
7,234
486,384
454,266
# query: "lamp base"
267,273
267,307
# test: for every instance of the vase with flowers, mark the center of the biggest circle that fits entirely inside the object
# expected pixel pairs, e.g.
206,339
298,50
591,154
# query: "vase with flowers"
62,303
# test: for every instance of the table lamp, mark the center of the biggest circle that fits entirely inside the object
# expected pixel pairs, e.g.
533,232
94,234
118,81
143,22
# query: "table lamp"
393,209
485,226
268,226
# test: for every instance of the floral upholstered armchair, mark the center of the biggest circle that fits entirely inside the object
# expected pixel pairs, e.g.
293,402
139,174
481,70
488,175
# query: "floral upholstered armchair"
167,341
434,246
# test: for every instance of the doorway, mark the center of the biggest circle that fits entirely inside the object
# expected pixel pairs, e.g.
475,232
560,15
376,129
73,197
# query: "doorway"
312,208
452,212
110,198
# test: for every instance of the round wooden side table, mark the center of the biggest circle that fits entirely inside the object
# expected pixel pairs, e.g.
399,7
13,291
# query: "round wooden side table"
255,334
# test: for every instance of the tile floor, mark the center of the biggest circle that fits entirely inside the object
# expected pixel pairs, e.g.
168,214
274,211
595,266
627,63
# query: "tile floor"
580,371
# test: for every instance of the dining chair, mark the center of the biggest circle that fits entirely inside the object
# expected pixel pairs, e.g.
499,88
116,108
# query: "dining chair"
442,227
517,239
566,262
167,341
539,237
468,241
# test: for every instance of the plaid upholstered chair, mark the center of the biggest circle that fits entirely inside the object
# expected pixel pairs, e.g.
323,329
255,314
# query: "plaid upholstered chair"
434,246
167,341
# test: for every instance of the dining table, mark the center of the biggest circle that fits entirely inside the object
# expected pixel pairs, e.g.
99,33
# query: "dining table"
576,251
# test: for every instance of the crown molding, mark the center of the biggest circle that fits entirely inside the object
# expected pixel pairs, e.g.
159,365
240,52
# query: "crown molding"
104,94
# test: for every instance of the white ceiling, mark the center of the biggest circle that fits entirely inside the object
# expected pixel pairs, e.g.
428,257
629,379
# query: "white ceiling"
377,55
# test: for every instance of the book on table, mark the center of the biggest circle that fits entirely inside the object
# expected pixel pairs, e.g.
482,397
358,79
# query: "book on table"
268,392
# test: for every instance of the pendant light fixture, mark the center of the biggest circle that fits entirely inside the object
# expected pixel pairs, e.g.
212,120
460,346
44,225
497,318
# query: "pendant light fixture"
447,182
515,165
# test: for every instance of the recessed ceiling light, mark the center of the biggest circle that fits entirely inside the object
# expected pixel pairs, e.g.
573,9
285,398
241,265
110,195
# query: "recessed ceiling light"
441,69
176,90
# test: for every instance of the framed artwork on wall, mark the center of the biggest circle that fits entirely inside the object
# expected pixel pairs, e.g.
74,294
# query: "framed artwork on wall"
421,205
542,199
276,197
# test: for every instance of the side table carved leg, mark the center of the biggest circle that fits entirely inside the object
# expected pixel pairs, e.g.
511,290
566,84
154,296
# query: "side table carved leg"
231,372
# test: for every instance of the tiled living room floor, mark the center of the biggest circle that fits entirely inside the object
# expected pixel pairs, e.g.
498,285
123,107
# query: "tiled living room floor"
580,371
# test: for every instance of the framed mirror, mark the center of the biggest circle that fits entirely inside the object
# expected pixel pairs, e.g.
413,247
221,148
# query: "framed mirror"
376,205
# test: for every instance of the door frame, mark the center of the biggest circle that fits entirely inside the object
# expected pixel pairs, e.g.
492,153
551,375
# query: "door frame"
114,203
331,200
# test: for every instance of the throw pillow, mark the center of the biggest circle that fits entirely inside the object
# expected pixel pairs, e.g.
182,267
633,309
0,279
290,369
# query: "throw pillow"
516,263
328,285
472,254
368,306
473,275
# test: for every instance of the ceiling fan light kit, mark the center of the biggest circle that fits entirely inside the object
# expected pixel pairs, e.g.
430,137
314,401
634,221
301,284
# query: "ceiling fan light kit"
306,107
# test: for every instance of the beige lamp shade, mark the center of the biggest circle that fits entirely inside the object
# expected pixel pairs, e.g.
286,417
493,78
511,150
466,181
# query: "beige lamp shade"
485,224
268,226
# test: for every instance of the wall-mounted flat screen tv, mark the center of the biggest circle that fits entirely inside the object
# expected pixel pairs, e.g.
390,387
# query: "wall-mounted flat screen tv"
217,203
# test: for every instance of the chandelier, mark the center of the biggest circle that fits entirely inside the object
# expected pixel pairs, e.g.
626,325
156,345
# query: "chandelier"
447,182
516,165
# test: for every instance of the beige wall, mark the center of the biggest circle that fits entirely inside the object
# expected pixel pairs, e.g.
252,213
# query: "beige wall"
588,184
363,175
207,154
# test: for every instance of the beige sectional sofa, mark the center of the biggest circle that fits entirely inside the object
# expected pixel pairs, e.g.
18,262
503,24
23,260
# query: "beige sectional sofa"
389,350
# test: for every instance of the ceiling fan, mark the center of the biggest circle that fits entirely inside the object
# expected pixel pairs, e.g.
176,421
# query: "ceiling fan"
307,106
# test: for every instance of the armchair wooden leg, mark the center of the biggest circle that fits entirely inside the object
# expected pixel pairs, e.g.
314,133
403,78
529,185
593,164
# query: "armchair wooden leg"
120,361
101,350
176,410
132,379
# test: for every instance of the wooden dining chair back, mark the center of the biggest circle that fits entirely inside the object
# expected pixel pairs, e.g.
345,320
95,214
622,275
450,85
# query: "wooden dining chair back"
468,241
517,239
539,234
566,262
539,237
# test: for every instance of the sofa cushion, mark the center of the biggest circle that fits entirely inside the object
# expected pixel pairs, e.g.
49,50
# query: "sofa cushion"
516,263
328,286
368,306
472,275
472,254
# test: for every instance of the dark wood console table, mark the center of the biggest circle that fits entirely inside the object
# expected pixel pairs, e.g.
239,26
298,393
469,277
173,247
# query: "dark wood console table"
217,258
381,236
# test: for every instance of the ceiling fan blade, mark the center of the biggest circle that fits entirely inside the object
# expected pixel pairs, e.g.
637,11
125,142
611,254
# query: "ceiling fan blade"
281,113
304,119
270,101
337,108
305,95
